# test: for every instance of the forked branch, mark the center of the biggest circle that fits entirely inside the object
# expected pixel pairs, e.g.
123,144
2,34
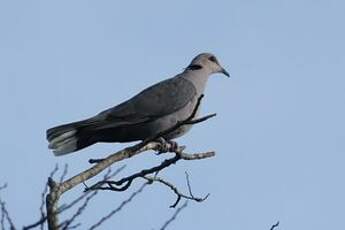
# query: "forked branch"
56,189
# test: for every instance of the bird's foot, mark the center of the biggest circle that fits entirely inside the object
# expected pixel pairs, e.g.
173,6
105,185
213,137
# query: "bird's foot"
168,146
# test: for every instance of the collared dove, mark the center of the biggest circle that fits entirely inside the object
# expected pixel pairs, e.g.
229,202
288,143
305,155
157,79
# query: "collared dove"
150,112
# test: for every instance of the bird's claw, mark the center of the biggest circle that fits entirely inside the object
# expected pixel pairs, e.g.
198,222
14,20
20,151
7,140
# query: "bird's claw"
166,146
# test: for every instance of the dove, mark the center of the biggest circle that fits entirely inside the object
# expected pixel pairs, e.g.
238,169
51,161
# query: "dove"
150,112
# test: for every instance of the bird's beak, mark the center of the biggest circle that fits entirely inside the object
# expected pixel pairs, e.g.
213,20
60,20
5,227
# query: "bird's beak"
223,71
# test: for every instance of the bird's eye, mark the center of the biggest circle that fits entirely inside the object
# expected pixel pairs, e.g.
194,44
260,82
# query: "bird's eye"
213,59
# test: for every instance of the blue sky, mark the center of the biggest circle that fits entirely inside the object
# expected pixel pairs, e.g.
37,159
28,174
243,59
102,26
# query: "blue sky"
279,134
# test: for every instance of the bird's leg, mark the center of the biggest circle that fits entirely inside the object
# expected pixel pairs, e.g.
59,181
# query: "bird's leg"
166,146
174,147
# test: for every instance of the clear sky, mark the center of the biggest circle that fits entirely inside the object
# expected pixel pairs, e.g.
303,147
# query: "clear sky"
279,134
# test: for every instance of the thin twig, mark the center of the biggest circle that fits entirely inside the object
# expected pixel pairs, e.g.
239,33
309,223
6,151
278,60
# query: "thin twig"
37,223
57,189
43,218
65,207
107,176
108,216
111,185
176,191
66,224
3,186
6,216
2,219
188,184
127,181
275,226
64,173
74,226
165,225
44,193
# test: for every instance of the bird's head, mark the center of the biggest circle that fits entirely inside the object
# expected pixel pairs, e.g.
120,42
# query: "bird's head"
209,62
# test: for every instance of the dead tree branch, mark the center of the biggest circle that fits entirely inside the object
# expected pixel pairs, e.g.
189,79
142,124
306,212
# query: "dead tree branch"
5,216
175,190
64,173
56,189
108,175
66,224
3,186
275,226
165,225
65,207
127,181
113,212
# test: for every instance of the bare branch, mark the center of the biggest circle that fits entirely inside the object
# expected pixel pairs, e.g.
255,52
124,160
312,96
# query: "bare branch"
52,173
165,225
6,216
43,218
113,212
191,193
108,175
52,204
3,186
66,224
37,223
64,173
2,220
175,190
275,226
44,193
65,207
127,181
74,226
111,185
188,184
197,156
57,189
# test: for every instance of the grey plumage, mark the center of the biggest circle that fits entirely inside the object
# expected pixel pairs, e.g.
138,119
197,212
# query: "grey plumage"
153,110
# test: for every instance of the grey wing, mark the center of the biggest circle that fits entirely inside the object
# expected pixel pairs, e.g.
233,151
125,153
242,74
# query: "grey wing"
161,99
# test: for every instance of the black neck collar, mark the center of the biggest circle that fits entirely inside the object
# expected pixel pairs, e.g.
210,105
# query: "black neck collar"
194,67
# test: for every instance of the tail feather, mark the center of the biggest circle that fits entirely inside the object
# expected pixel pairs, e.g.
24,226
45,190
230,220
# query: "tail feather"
68,138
